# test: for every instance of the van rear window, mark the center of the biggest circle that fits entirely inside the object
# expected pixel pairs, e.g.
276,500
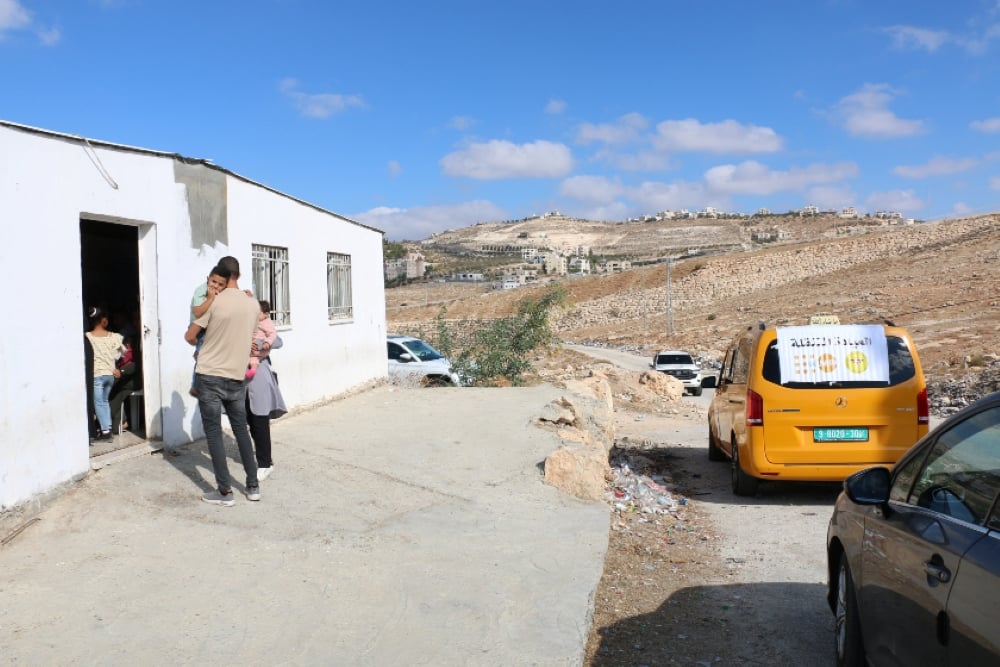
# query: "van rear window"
901,368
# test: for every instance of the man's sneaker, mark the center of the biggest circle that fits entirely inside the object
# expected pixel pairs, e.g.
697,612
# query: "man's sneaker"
217,498
264,473
253,492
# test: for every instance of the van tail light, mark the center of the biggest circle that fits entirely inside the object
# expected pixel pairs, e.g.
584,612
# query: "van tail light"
755,408
923,411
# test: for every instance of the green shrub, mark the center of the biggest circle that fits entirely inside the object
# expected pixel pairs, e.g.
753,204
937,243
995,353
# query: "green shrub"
498,353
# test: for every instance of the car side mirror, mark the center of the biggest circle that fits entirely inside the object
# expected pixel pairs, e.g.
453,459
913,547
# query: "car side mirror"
652,365
869,486
406,356
708,382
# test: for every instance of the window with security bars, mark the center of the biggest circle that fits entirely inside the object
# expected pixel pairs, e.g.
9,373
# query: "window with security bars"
270,281
338,286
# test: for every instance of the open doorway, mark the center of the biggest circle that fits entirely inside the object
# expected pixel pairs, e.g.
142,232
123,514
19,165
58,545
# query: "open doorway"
109,261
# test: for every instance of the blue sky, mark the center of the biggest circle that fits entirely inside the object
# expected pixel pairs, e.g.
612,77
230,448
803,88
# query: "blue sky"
417,117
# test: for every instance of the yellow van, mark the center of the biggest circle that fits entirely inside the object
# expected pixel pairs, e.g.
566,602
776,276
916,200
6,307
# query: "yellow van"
816,402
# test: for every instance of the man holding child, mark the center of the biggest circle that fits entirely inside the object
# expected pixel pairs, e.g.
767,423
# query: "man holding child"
229,326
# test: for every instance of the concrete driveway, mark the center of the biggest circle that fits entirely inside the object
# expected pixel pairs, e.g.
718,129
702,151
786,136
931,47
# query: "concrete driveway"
401,526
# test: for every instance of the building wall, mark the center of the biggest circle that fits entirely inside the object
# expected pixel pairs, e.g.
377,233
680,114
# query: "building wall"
188,215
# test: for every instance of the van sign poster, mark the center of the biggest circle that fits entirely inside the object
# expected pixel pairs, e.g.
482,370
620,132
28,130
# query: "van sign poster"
833,353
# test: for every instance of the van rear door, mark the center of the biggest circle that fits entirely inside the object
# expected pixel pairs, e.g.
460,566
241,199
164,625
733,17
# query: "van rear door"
849,423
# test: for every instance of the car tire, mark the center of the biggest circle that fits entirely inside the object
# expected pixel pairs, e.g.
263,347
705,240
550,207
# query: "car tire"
850,650
714,453
743,484
438,381
696,392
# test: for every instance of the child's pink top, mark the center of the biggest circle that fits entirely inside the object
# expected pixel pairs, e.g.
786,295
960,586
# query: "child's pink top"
267,331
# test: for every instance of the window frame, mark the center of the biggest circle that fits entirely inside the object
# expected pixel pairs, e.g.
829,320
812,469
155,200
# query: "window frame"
339,287
270,271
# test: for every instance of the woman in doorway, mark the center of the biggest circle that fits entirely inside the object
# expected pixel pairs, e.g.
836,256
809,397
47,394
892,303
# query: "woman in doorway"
108,346
264,403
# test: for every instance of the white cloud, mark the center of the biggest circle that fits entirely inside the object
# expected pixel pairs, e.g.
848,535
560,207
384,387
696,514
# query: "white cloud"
894,200
13,16
609,199
641,161
461,123
754,178
976,41
936,166
625,130
611,211
906,37
865,113
592,189
979,44
830,197
995,183
395,169
728,136
988,125
49,37
960,209
498,159
318,105
657,196
555,106
421,222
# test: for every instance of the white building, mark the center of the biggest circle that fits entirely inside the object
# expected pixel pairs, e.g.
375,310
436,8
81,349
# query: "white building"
410,267
90,222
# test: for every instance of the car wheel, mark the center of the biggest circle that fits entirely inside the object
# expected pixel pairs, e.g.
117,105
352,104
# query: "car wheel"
714,453
696,392
437,381
846,624
743,484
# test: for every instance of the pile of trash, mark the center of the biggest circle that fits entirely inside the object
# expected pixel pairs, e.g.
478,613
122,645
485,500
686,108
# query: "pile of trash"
947,397
637,486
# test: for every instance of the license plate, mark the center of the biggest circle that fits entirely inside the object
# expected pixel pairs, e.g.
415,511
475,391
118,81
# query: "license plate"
852,434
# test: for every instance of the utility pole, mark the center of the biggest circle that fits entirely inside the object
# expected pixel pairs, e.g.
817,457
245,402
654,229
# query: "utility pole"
670,302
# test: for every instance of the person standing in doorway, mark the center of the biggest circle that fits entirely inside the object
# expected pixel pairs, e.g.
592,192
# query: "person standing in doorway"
229,325
107,347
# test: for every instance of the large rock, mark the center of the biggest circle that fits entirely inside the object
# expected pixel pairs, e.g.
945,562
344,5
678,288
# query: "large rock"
583,420
579,469
662,384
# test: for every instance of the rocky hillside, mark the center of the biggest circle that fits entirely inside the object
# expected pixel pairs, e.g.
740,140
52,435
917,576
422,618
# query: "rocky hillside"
937,279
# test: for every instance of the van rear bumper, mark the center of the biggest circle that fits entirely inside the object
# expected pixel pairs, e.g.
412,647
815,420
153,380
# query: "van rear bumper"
811,472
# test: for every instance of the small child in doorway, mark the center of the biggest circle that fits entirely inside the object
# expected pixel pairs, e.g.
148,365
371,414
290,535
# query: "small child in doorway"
265,333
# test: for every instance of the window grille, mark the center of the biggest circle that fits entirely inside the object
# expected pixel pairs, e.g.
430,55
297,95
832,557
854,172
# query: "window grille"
338,286
270,281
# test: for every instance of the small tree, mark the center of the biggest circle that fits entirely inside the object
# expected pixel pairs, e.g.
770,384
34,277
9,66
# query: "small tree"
498,352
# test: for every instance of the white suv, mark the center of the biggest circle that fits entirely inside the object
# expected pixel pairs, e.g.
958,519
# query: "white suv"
414,362
680,365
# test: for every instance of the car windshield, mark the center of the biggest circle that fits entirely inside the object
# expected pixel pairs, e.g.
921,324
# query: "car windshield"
422,350
674,359
901,368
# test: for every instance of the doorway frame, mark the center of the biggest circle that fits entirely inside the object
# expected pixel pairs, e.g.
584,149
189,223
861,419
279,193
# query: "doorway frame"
149,316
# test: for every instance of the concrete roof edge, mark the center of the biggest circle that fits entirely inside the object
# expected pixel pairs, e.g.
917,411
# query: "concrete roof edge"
182,158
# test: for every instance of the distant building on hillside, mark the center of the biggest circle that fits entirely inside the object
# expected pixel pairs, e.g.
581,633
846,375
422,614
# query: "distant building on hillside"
410,267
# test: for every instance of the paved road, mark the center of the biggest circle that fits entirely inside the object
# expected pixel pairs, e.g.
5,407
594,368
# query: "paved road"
400,527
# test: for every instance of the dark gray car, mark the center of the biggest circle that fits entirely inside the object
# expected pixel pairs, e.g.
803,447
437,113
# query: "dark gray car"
914,553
